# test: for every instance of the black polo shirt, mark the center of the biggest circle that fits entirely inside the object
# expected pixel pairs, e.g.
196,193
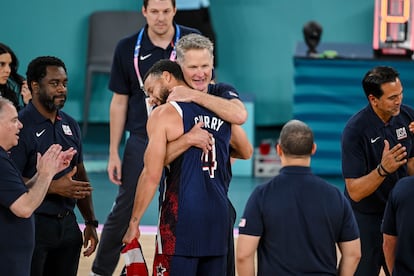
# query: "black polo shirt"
37,135
398,222
223,90
16,234
362,145
299,218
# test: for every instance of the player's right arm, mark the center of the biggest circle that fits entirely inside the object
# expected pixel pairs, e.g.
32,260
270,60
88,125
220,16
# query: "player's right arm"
151,174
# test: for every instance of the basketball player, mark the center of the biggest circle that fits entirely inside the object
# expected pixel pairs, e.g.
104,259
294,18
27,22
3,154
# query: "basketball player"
194,225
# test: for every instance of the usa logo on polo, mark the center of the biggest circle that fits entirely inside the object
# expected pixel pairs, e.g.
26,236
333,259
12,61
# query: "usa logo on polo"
67,130
401,133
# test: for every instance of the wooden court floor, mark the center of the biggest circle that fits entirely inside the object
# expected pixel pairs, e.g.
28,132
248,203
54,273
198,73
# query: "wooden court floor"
148,247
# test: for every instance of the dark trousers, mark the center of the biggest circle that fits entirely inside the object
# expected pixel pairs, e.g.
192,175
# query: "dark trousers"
109,249
372,258
231,266
58,243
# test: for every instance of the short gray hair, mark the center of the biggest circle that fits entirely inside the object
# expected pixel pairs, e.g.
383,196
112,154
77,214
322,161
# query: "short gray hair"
4,102
190,42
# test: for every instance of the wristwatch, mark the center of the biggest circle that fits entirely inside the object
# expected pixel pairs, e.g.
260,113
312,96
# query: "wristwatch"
94,223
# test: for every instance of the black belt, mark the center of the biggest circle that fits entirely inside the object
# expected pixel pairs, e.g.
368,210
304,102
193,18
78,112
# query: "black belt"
58,215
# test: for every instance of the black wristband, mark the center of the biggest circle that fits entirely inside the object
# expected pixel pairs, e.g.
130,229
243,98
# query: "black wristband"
94,223
384,170
379,171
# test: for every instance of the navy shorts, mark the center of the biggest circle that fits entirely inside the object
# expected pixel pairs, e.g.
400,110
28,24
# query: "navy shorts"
190,266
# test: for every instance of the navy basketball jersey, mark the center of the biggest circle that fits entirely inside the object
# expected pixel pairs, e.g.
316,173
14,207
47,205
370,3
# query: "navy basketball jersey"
194,218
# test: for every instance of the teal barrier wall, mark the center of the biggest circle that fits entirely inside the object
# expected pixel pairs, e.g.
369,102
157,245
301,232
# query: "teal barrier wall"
255,39
245,167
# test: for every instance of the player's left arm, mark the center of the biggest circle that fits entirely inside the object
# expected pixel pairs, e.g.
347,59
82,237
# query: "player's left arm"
241,148
196,137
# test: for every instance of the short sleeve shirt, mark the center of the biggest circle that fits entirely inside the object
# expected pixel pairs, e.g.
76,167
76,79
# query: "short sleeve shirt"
37,135
362,145
299,219
223,90
398,222
16,234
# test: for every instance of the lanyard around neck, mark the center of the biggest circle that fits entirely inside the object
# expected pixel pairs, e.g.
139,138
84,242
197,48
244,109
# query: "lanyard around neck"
138,48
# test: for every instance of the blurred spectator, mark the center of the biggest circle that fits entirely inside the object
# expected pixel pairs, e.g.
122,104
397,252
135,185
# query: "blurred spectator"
12,85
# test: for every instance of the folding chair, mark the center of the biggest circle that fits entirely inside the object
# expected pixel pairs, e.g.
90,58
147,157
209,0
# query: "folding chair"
106,28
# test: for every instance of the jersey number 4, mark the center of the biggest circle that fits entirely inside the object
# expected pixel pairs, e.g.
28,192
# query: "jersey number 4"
209,160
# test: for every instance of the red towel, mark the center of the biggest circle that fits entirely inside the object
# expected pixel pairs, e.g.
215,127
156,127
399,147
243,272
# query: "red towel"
134,259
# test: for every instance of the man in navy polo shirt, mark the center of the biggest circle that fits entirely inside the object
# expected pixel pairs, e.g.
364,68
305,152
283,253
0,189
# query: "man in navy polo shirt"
18,200
58,237
296,220
377,150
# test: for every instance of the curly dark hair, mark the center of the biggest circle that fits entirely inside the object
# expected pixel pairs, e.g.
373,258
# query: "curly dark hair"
36,69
